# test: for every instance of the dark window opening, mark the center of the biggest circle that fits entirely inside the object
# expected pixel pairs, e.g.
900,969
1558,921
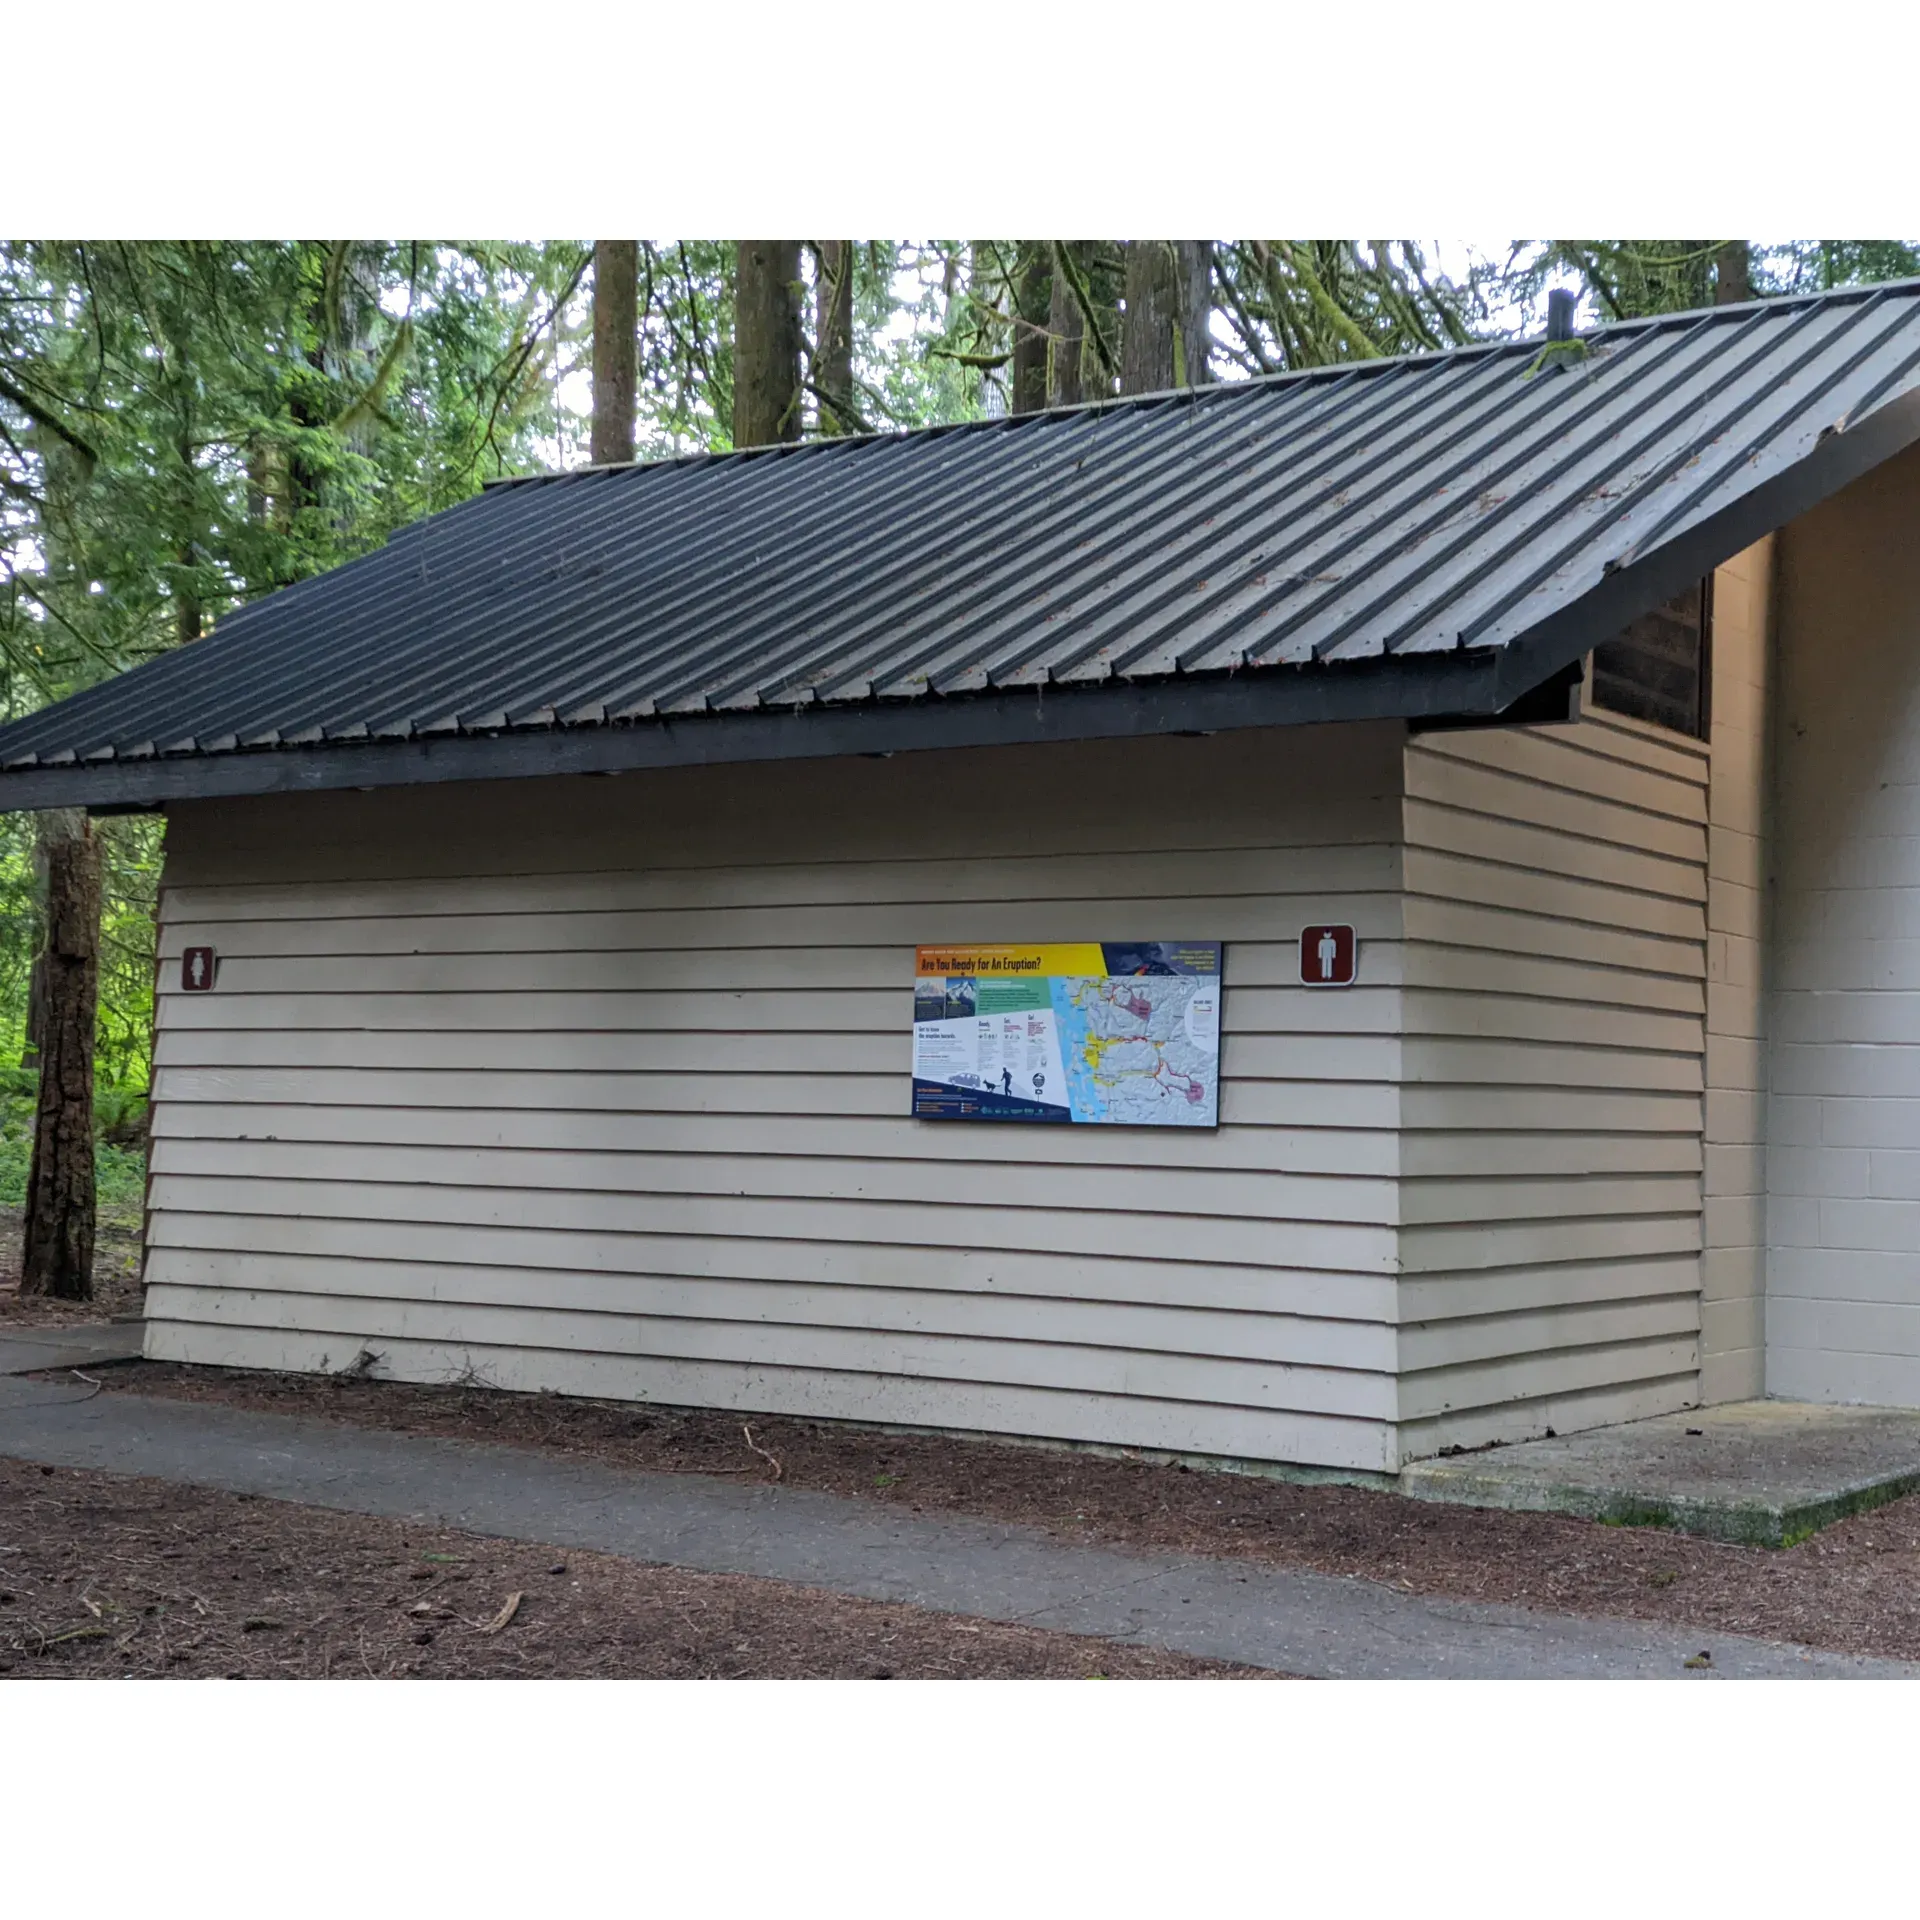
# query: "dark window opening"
1661,667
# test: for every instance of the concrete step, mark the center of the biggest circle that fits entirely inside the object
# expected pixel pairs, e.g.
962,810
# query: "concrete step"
1757,1472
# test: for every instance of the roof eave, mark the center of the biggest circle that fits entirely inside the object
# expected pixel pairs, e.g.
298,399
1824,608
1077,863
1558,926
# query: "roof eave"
1425,686
1845,453
1416,686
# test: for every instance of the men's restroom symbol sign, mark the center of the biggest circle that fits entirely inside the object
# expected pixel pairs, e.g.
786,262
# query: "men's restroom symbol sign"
1328,956
197,968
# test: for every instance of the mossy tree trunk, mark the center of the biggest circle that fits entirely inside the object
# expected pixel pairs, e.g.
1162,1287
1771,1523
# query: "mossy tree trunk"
57,1255
1032,299
1066,330
766,342
1169,315
833,337
1732,274
616,321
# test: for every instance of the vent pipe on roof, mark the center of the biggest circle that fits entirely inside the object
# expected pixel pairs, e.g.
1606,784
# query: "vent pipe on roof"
1560,305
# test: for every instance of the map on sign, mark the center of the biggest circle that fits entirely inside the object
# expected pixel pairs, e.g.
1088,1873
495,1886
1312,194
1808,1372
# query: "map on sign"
1117,1034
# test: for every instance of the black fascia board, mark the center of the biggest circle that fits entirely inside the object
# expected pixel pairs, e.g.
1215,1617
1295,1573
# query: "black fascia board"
1394,688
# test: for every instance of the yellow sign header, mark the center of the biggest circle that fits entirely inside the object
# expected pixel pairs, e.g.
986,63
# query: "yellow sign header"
1085,959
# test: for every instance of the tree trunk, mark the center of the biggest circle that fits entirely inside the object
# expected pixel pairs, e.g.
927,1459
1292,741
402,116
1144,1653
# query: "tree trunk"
57,1254
833,337
1169,300
1732,274
616,283
189,617
766,342
36,1011
1032,300
1066,331
307,405
1195,261
1100,346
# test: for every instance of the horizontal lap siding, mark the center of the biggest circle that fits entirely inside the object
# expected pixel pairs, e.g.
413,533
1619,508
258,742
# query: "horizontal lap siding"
1554,975
598,1086
1843,1082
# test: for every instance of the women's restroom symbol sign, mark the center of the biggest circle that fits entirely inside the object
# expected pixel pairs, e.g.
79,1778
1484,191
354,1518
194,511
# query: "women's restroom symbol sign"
1328,956
197,968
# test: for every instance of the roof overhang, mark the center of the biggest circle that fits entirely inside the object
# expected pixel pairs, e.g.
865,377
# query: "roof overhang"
1418,687
1477,684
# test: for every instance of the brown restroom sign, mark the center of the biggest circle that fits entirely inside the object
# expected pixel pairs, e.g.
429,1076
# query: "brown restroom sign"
197,968
1328,956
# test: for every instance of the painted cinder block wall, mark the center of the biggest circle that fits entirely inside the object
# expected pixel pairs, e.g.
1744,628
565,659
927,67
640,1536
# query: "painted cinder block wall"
1843,1158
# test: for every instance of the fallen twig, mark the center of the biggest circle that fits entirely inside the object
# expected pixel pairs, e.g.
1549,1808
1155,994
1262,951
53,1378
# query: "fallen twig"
505,1614
76,1633
754,1447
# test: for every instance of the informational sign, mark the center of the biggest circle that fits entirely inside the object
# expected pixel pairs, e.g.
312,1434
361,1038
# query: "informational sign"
1328,956
1121,1034
197,968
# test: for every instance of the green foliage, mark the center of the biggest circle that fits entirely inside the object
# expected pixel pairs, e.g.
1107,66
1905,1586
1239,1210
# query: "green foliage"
1634,279
189,424
1816,266
1312,303
930,330
120,1172
130,869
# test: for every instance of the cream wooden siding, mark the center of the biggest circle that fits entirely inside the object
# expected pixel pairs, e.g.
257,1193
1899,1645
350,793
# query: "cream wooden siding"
1554,1000
1733,1267
1843,1163
599,1086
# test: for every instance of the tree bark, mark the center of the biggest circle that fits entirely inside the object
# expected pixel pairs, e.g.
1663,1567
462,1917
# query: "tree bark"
1100,346
766,342
1732,274
1032,301
57,1254
1169,300
1195,259
189,617
616,320
306,404
833,337
1066,331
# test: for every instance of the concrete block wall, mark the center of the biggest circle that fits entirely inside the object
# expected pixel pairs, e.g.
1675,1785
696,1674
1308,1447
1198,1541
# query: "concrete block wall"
1843,1202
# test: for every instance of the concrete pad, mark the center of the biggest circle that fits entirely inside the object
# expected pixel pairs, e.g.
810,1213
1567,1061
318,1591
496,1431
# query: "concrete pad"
1757,1472
29,1349
1289,1620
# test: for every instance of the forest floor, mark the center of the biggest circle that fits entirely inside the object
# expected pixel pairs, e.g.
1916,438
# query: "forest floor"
1854,1588
108,1576
116,1277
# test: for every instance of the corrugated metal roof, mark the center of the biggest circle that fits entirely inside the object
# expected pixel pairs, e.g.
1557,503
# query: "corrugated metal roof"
1452,504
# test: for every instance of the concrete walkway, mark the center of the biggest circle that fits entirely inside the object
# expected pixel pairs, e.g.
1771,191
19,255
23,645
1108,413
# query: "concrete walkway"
1287,1621
29,1349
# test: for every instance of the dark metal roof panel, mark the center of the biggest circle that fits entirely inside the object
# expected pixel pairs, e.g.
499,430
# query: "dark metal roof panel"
1451,504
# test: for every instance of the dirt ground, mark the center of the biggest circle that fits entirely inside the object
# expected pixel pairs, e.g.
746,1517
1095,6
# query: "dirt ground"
116,1281
1854,1588
106,1576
